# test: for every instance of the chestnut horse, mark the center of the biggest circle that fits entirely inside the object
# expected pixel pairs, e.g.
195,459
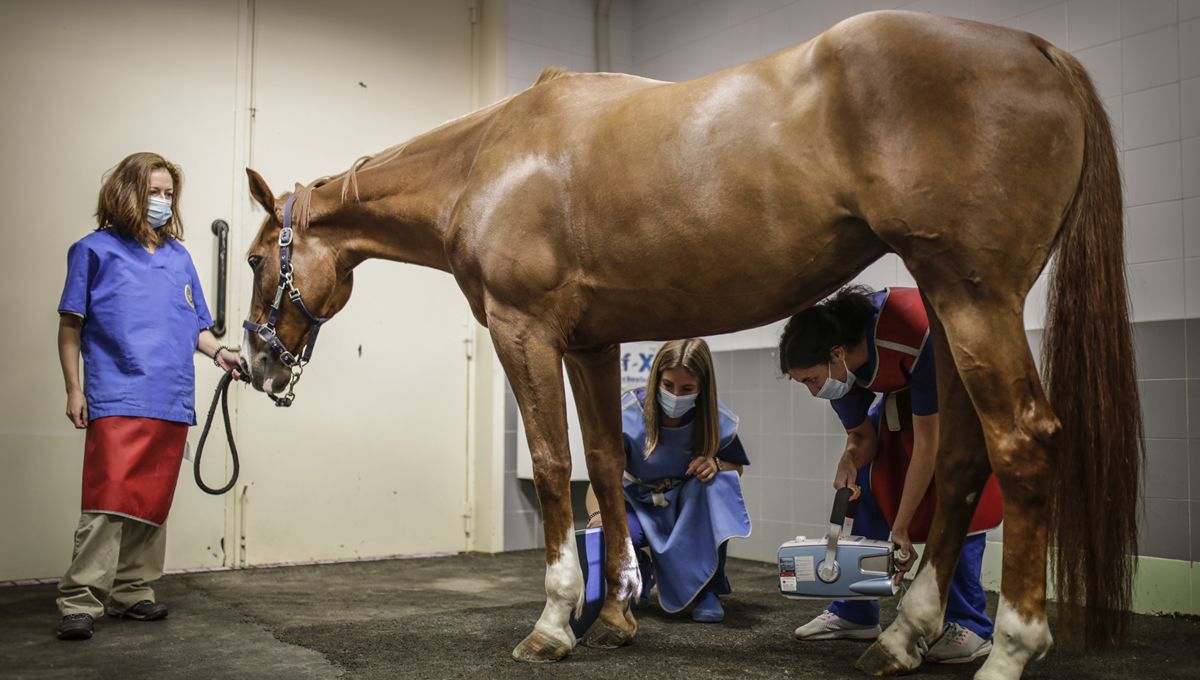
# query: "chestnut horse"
593,209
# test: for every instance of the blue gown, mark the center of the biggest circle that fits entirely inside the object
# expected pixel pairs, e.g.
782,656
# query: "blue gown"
687,525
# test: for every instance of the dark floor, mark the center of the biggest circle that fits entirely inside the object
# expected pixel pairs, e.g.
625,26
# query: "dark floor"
459,617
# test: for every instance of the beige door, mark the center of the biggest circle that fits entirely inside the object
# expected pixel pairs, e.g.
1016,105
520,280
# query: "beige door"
371,458
85,84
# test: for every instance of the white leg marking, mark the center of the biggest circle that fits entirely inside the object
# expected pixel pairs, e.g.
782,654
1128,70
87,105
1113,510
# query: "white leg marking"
564,592
920,617
1016,641
630,584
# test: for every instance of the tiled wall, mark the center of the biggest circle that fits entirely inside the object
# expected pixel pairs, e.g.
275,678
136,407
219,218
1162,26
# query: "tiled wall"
1145,58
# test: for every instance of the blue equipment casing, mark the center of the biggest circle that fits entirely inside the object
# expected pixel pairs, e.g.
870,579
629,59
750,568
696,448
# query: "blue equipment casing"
837,567
590,545
864,571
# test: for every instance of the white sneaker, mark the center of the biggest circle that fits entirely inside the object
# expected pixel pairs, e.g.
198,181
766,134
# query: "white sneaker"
958,644
830,626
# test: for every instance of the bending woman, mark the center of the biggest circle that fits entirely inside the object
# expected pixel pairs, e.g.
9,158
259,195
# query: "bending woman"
849,349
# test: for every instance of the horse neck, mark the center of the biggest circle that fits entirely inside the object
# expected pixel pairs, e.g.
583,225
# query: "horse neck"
405,196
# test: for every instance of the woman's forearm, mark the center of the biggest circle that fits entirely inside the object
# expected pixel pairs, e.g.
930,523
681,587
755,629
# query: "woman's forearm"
69,329
920,468
208,344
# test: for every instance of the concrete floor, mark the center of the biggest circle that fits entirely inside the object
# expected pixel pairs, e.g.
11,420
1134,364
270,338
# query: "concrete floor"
453,617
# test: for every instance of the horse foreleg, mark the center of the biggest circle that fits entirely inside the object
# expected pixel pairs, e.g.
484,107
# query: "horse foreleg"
532,358
596,381
961,472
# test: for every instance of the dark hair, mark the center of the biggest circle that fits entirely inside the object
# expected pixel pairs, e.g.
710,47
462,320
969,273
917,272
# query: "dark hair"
125,196
810,335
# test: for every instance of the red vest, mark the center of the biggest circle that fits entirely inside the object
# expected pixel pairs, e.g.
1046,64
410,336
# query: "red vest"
900,334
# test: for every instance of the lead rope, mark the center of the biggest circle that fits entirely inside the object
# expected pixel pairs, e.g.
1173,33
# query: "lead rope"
221,394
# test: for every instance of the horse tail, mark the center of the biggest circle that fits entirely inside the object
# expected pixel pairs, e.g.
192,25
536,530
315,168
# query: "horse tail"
1088,367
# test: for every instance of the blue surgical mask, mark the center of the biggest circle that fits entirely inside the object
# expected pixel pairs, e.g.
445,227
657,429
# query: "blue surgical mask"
159,212
834,388
675,406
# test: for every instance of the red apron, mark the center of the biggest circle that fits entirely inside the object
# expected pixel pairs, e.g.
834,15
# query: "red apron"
130,466
900,334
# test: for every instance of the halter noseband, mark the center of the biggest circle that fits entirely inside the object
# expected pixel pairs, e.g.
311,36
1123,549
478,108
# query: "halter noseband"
287,285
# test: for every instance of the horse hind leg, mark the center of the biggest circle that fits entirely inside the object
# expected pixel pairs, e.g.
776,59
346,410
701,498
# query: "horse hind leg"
533,362
961,471
987,337
596,381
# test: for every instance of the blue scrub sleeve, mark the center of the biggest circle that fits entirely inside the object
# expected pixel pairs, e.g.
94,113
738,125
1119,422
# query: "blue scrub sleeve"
852,409
922,383
81,270
202,316
734,452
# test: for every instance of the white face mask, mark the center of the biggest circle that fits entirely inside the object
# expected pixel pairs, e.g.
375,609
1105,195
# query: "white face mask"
673,406
834,388
159,212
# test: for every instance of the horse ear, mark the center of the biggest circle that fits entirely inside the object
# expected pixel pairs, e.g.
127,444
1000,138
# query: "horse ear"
261,192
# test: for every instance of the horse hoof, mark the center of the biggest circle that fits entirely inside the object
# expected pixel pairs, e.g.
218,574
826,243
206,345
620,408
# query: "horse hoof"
540,648
879,662
603,635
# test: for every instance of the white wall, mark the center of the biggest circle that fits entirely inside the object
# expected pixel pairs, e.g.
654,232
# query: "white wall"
376,438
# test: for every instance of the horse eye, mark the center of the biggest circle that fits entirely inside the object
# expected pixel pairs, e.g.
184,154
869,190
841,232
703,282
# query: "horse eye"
254,261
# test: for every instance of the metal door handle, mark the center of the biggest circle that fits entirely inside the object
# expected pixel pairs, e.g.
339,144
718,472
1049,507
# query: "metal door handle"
220,228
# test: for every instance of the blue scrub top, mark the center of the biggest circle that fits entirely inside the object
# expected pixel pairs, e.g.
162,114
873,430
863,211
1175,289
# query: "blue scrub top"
142,315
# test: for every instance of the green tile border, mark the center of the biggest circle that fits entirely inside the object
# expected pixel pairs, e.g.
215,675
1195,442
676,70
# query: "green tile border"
1159,586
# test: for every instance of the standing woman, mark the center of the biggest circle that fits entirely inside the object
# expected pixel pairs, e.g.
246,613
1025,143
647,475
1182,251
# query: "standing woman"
683,498
132,305
848,349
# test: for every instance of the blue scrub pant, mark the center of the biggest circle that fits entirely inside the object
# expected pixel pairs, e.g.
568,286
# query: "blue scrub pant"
967,604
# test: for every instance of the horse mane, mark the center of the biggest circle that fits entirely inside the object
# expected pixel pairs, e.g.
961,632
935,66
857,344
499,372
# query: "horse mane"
302,206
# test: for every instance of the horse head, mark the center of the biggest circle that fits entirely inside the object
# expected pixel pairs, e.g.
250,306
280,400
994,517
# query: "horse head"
299,283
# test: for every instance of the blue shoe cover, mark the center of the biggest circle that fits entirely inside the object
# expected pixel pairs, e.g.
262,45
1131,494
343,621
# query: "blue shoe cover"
708,609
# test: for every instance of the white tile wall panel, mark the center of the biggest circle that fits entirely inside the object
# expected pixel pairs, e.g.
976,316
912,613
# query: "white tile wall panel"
1189,49
879,274
1189,104
1191,167
1191,270
1092,22
1154,232
1150,59
1141,16
995,11
1157,290
1151,117
1152,174
1191,235
1048,22
1189,9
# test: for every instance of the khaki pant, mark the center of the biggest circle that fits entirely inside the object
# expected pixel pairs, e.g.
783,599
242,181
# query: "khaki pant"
114,561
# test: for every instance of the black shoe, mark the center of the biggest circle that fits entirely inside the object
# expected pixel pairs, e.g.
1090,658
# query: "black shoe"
76,627
142,611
